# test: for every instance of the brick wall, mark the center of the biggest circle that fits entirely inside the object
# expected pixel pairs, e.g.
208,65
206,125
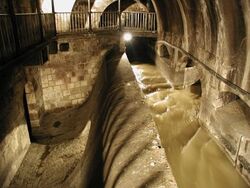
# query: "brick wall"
67,85
67,79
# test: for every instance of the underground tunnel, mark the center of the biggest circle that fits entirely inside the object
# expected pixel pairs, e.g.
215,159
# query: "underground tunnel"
124,93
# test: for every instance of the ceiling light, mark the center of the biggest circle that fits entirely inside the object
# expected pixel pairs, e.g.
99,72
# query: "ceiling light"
127,36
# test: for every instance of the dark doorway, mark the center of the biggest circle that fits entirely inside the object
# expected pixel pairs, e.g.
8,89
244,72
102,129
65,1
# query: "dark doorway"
140,49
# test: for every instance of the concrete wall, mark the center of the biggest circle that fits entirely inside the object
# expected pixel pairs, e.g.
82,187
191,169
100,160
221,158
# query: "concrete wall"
34,93
123,141
217,34
83,173
67,79
14,136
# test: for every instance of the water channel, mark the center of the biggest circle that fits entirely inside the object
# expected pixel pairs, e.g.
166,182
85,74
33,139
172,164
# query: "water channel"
196,160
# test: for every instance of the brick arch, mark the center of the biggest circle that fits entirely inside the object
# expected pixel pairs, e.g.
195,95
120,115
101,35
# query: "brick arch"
82,5
101,6
125,5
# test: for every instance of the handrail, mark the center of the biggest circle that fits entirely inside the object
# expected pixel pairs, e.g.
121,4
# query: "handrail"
78,21
25,14
206,67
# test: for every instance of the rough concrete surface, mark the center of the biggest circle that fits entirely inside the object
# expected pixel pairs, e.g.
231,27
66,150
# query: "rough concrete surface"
50,165
125,137
132,154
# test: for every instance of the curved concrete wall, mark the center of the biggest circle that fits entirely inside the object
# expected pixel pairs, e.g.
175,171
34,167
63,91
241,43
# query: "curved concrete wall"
216,32
216,35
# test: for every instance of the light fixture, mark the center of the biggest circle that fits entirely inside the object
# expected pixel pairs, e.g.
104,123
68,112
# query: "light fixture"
127,36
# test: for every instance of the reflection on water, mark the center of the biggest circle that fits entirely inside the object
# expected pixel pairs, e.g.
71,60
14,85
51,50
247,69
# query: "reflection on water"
196,161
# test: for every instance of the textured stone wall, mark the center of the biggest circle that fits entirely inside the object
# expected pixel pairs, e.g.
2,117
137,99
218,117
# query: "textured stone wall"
34,93
67,79
14,136
67,85
217,34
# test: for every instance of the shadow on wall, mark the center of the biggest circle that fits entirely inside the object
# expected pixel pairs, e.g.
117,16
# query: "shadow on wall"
26,115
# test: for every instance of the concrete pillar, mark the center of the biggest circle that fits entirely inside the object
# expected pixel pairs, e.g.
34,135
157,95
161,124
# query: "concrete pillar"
119,14
39,12
89,12
54,14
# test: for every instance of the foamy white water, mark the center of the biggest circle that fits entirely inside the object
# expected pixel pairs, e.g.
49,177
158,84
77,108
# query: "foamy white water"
196,160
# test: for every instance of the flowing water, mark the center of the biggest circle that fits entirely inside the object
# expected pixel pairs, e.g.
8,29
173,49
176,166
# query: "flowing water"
196,160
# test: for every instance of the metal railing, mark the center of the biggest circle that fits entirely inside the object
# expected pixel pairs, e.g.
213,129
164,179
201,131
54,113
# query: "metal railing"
71,22
104,20
24,30
139,21
67,22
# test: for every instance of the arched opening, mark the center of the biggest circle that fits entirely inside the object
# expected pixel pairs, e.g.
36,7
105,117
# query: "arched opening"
162,51
196,88
66,6
189,62
139,49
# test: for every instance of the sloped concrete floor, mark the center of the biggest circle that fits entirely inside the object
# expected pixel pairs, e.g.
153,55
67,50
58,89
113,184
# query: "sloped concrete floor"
50,165
132,151
56,127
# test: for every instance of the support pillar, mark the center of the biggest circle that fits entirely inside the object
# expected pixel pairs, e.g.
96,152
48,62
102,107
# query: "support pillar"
89,13
39,12
54,15
119,15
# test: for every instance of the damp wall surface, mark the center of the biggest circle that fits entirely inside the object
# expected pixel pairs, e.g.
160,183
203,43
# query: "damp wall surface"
23,94
86,170
224,109
215,36
123,148
15,127
14,136
215,32
67,79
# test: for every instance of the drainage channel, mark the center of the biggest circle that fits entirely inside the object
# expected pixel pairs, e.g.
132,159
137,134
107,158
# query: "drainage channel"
195,159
